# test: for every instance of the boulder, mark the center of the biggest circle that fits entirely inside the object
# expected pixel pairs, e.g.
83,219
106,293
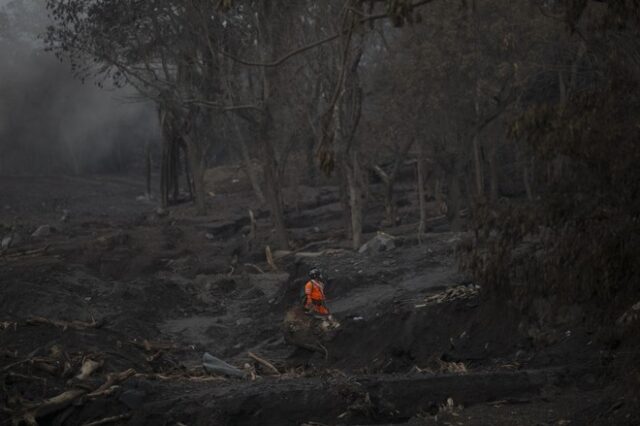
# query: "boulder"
381,242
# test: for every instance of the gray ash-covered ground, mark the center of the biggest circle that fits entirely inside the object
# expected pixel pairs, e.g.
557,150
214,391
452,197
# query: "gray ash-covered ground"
128,286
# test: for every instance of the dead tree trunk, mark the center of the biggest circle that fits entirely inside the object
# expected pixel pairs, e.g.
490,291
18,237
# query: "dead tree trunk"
274,196
164,172
174,167
422,205
196,164
147,168
355,200
454,194
248,163
389,181
168,178
344,200
187,173
527,170
477,159
493,171
271,181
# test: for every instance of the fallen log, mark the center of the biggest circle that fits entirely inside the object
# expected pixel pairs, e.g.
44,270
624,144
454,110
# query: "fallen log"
181,376
76,325
151,346
18,376
66,398
406,394
26,253
22,361
114,379
53,405
108,420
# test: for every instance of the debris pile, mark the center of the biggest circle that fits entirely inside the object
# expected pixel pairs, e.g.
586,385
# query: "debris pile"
449,295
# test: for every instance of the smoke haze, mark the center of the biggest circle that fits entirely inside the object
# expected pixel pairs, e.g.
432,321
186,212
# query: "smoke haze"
51,122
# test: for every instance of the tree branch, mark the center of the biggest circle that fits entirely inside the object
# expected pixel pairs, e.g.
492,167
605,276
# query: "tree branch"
302,49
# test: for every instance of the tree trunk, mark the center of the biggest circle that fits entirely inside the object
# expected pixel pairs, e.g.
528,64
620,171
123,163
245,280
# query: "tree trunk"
196,163
175,170
454,195
344,199
248,164
521,158
493,171
274,195
527,182
355,201
164,173
422,205
147,167
389,181
73,157
477,159
389,206
187,173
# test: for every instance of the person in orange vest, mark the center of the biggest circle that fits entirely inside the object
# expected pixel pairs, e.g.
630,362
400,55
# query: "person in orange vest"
314,298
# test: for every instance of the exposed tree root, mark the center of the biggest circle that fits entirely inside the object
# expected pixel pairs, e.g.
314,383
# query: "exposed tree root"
32,411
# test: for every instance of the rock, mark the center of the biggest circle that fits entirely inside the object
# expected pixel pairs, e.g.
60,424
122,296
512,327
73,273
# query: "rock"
161,212
379,243
42,231
209,236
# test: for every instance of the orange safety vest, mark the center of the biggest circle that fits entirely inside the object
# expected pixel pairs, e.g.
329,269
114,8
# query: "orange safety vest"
314,297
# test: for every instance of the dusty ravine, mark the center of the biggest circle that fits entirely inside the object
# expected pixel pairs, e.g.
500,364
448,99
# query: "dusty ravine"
134,297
